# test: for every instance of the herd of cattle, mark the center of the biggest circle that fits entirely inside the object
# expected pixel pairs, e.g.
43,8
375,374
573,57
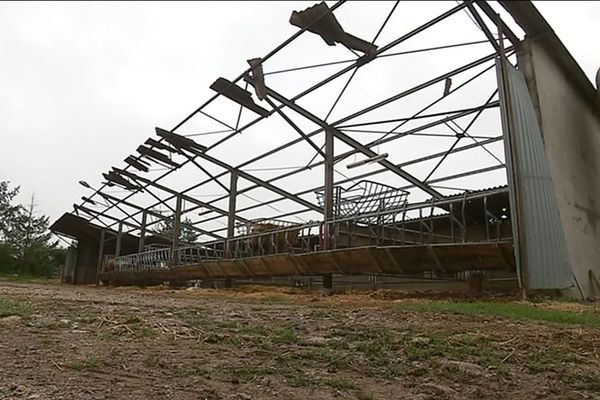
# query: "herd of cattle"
260,238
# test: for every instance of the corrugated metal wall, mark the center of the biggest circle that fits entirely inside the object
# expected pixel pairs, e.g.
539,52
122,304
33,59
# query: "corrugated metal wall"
544,247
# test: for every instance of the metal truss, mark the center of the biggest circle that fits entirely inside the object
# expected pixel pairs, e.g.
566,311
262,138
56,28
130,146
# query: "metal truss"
148,187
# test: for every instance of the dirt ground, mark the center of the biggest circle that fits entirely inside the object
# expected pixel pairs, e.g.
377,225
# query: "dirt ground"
73,342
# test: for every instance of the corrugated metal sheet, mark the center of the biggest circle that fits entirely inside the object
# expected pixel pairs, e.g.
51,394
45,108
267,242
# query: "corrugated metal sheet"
544,247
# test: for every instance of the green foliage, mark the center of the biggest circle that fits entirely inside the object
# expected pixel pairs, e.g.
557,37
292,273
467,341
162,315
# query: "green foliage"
25,245
186,234
511,310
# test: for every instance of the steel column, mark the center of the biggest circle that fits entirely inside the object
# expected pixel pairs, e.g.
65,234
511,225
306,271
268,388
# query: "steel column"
100,254
232,207
328,216
119,237
177,230
142,232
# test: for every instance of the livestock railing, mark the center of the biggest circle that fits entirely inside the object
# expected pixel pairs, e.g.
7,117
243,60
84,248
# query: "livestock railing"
447,220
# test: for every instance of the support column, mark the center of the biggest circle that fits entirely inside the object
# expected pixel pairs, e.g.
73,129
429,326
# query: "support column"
328,200
176,231
142,232
231,211
119,237
100,255
229,251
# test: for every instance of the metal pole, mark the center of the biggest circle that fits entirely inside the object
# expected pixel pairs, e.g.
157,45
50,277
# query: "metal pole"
100,254
119,237
231,219
232,209
142,232
176,230
328,200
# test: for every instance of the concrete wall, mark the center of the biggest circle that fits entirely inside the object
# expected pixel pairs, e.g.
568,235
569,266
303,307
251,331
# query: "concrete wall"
571,132
87,259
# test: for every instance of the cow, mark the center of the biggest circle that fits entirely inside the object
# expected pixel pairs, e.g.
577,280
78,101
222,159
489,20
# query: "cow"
269,238
110,265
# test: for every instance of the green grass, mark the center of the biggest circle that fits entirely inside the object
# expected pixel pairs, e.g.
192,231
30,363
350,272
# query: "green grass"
11,307
301,379
276,298
248,373
25,278
517,311
151,361
91,362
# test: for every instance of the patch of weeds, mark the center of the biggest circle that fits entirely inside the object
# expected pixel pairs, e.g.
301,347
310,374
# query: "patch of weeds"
337,383
247,373
276,298
90,362
200,370
284,335
253,330
26,278
322,313
377,345
518,311
229,325
151,361
47,343
144,331
464,347
547,360
417,371
133,327
227,339
12,307
300,379
340,343
586,381
362,395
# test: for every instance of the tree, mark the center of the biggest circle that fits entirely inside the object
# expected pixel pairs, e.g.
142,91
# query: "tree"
25,242
8,214
8,211
186,234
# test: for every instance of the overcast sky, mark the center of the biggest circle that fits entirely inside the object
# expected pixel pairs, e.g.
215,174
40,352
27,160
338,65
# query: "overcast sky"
83,84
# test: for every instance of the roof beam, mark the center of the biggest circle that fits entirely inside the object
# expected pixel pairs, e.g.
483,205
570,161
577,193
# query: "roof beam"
156,214
260,182
175,193
355,144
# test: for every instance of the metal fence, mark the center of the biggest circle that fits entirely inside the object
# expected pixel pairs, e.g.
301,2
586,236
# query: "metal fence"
432,222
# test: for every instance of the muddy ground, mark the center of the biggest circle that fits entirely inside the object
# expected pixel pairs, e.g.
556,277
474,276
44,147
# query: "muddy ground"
67,342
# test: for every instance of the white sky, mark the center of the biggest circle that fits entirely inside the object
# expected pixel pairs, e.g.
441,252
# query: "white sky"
83,84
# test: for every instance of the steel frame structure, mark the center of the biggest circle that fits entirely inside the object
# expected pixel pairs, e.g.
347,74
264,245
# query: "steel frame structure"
175,150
